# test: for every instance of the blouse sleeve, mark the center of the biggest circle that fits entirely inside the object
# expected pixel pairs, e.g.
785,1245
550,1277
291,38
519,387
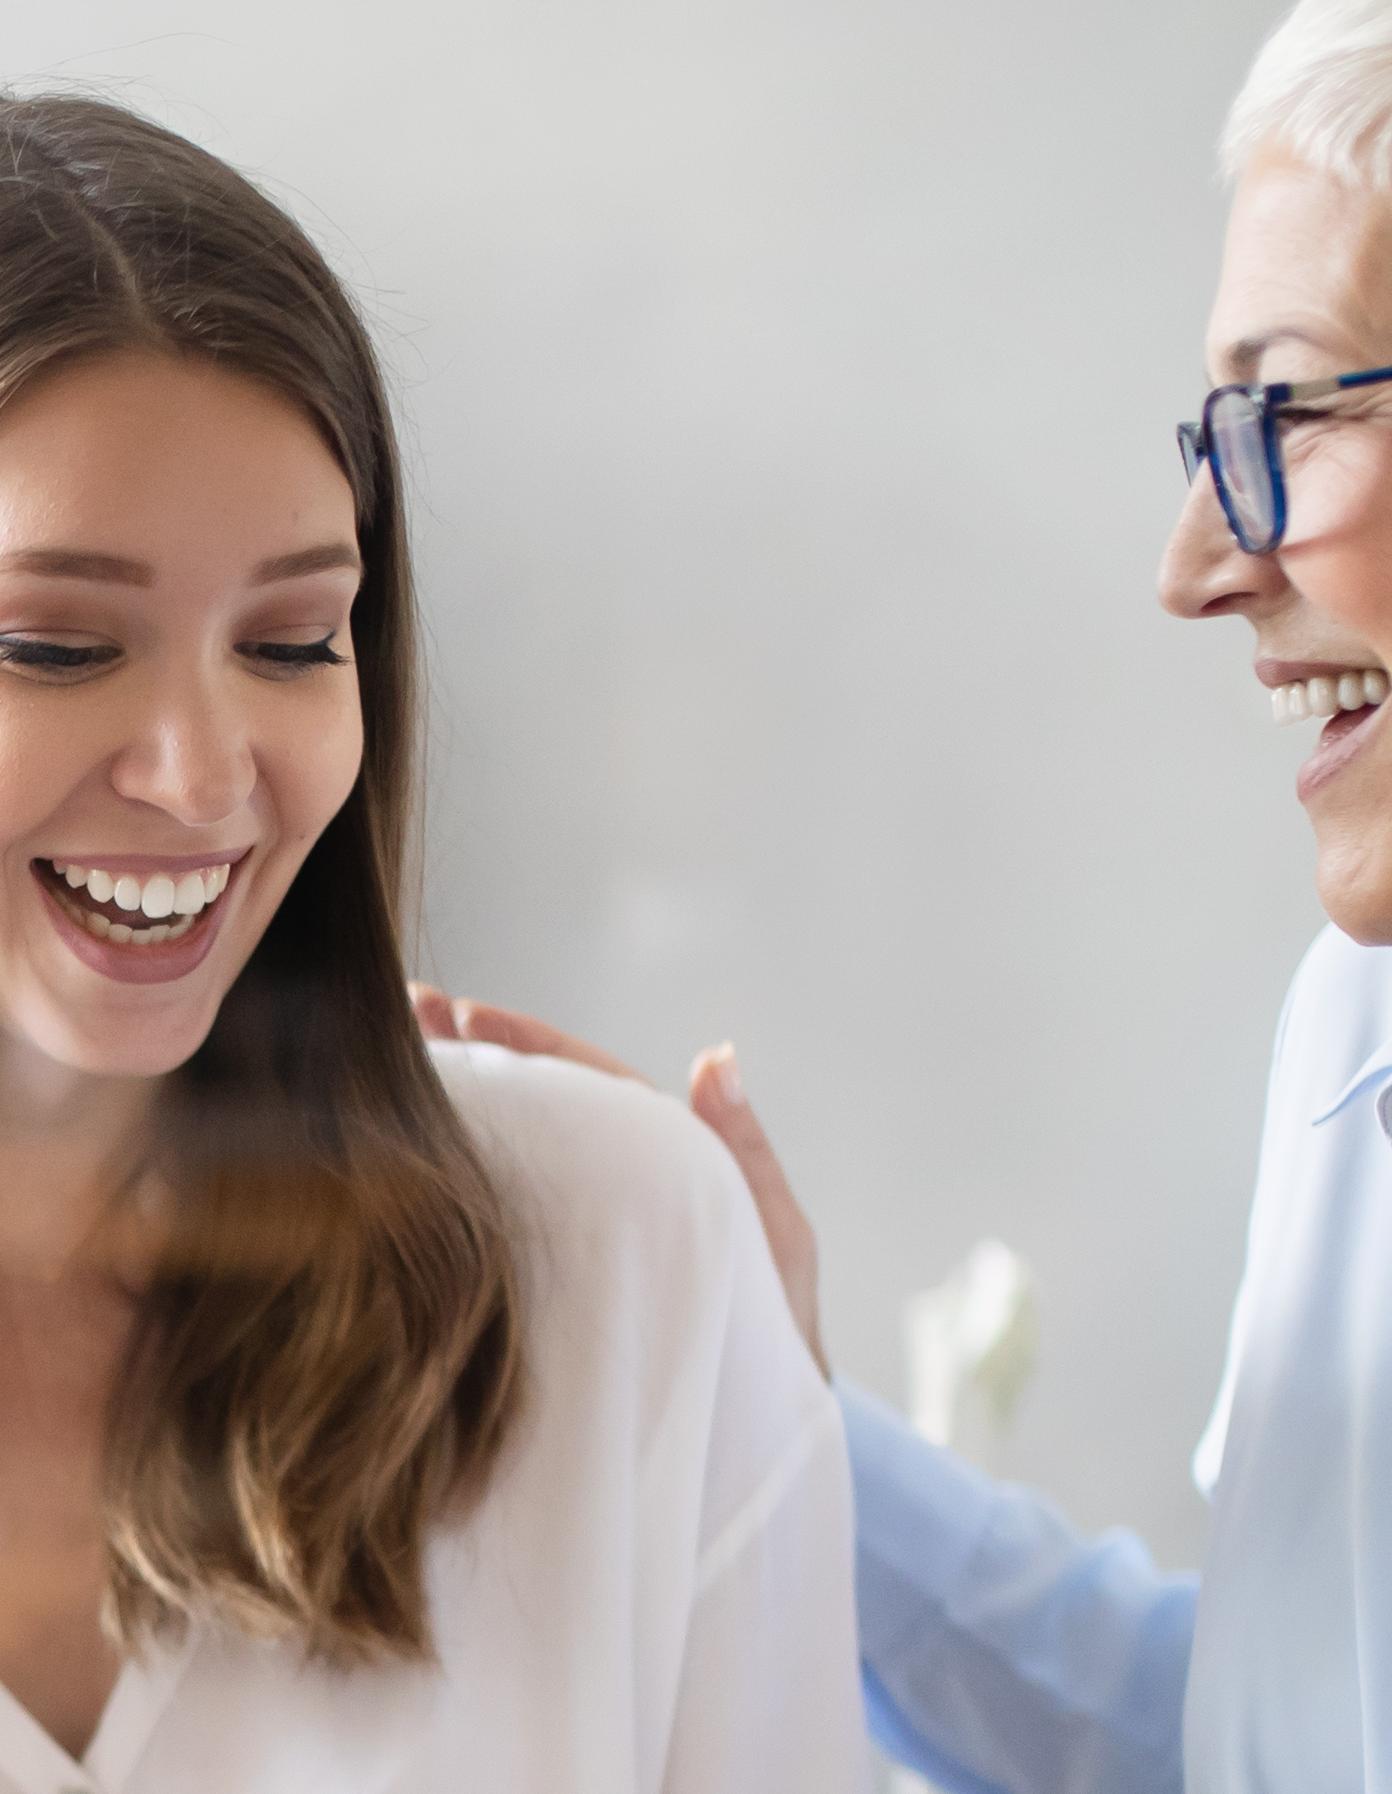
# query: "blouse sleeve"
769,1692
769,1697
684,1420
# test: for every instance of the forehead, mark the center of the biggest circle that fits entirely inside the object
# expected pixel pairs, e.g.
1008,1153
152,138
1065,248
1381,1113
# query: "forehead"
1307,255
145,456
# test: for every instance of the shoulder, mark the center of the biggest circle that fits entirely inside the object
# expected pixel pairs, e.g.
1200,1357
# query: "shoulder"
634,1227
1333,1039
593,1155
650,1268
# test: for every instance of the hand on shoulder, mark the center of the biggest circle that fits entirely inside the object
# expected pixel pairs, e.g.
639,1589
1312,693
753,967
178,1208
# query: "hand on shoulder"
716,1095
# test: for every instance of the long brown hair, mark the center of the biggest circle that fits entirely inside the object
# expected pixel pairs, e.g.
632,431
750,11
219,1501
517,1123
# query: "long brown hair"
328,1353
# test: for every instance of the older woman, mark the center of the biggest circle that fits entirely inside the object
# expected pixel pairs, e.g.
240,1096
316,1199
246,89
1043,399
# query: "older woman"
1000,1650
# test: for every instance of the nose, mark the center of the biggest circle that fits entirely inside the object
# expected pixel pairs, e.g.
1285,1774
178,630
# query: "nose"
1204,573
190,755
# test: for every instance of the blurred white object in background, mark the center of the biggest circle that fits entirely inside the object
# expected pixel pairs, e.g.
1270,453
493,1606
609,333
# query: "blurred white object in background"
971,1343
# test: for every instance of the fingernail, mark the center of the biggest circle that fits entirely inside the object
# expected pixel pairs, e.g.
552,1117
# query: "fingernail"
728,1072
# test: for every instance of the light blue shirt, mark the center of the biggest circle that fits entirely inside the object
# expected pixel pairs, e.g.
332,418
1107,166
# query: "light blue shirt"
1004,1654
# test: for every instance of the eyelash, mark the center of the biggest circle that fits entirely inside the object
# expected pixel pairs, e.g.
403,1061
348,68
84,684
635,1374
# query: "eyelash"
1298,414
54,657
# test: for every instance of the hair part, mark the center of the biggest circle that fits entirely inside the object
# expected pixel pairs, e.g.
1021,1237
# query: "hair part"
1320,88
328,1354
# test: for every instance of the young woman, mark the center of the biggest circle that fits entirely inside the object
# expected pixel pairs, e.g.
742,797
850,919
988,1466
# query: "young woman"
366,1422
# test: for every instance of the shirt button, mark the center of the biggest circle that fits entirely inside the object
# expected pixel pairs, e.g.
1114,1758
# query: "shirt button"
1384,1110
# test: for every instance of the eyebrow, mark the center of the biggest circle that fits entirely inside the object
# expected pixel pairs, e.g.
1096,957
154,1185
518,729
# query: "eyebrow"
1245,354
81,563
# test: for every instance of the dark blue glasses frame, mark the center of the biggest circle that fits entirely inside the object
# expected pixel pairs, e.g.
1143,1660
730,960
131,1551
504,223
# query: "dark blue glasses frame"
1258,528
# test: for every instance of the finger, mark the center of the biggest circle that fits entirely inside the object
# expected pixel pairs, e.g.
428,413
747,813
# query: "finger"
434,1012
525,1034
717,1096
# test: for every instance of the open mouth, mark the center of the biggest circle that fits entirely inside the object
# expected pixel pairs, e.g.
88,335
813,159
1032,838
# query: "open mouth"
1347,721
131,912
1348,702
1347,699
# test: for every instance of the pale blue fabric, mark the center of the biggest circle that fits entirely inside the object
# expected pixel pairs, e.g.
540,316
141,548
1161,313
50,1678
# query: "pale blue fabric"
1004,1654
1001,1652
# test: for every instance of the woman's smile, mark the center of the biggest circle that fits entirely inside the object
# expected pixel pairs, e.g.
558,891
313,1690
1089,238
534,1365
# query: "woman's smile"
1348,697
137,928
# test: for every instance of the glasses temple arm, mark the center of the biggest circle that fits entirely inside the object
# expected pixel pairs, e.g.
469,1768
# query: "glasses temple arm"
1313,389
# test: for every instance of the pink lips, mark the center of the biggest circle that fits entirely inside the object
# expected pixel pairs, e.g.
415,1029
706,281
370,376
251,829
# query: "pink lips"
156,964
1335,748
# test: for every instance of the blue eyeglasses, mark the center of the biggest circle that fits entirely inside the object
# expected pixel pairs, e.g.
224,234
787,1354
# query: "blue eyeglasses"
1239,440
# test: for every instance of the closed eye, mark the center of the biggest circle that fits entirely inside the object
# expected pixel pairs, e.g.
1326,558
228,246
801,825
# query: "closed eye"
57,657
297,654
1300,414
52,655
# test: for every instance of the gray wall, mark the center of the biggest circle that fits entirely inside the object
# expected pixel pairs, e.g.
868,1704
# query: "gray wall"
789,390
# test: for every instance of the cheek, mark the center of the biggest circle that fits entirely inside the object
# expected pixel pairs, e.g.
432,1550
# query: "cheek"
42,761
317,767
1337,550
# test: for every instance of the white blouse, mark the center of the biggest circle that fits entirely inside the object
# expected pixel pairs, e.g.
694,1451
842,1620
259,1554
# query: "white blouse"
655,1596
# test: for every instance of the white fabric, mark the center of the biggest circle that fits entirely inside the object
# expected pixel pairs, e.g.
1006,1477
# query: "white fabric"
1290,1681
656,1595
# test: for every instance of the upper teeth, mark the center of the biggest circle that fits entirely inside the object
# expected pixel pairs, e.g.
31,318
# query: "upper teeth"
158,895
1324,696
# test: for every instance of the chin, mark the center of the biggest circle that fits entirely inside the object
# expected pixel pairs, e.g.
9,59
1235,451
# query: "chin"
1355,889
125,1052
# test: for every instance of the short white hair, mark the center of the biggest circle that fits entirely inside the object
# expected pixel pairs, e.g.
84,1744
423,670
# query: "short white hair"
1321,88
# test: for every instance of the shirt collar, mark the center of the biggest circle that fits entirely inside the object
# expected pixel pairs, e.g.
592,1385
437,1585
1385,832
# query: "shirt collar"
1375,1069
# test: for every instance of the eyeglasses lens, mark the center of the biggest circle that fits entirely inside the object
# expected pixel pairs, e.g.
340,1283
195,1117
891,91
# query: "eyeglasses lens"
1238,451
1191,449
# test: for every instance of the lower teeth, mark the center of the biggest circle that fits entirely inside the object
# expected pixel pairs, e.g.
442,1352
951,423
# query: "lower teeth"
120,932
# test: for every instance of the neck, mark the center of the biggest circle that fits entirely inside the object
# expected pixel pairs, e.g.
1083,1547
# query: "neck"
68,1141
